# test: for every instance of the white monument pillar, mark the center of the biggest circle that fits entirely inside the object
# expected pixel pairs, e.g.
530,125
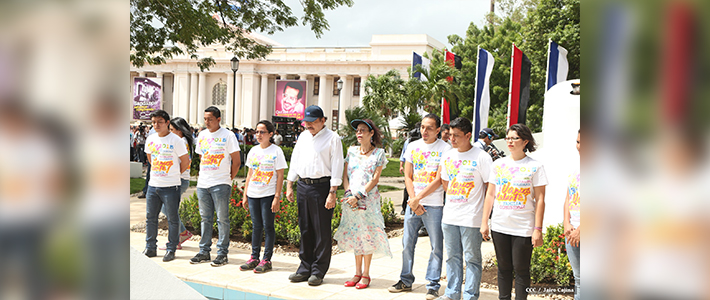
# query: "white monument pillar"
201,97
263,102
324,98
230,104
192,111
345,96
238,109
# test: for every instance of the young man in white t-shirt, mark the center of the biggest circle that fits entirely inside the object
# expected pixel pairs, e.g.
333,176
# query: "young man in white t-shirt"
168,158
425,205
219,164
464,175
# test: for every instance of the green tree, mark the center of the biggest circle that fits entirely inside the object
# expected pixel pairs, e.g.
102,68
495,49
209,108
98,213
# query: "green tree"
385,94
160,29
348,133
437,85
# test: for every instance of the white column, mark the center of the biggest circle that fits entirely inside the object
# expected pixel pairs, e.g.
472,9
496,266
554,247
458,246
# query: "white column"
345,96
249,103
201,97
363,78
230,98
192,111
181,95
238,109
324,98
307,92
141,73
159,79
283,76
263,102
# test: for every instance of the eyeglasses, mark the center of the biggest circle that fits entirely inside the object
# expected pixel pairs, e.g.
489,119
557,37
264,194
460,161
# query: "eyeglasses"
260,132
361,130
512,139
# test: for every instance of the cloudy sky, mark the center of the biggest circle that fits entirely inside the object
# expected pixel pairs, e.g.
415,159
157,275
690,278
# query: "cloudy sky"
354,26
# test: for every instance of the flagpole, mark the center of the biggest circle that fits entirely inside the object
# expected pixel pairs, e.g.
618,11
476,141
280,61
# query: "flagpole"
510,86
475,100
547,72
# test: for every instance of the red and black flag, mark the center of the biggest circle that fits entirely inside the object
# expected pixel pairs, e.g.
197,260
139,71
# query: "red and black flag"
519,92
454,61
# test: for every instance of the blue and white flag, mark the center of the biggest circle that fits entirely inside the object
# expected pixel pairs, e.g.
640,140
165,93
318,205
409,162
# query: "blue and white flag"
484,68
420,60
557,65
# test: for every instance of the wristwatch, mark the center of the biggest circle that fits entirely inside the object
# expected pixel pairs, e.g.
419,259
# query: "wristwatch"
333,192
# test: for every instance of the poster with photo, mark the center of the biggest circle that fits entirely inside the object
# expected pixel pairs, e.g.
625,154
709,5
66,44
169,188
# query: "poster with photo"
146,97
290,98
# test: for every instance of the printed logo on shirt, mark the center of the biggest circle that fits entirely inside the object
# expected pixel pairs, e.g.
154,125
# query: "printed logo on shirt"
461,179
161,158
213,152
263,166
425,164
513,194
573,191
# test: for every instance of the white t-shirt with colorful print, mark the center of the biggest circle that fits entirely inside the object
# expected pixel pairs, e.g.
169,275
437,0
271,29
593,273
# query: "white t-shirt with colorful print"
165,155
467,174
425,159
216,162
263,164
514,206
573,193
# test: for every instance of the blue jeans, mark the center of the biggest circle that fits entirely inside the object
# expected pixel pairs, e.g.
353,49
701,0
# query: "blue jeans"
155,198
573,255
467,241
263,221
184,183
213,199
431,220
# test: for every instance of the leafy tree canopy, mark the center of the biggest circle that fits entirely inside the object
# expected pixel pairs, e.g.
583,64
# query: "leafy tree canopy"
161,29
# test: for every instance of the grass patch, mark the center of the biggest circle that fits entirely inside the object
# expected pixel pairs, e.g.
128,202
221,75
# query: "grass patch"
392,169
387,188
137,185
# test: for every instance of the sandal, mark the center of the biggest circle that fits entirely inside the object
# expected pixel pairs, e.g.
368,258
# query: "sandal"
363,285
353,283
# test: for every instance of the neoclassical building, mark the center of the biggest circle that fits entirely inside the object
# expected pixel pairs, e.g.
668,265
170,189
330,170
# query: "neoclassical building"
187,91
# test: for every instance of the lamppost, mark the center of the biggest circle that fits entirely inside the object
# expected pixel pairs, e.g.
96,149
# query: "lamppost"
340,89
235,67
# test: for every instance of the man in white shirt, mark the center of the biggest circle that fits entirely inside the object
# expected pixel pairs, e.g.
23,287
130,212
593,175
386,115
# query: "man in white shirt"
464,175
277,138
168,157
318,164
219,164
423,182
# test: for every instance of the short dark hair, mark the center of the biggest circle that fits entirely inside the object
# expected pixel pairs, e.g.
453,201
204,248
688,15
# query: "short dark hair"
435,118
161,114
215,111
269,127
462,124
295,85
524,133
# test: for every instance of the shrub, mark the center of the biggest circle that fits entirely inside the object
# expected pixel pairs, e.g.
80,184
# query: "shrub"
285,221
549,262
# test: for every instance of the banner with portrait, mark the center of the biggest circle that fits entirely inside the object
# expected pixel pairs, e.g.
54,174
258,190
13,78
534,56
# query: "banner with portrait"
291,98
146,97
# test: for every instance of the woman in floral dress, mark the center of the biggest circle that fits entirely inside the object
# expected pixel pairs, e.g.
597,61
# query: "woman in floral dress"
362,227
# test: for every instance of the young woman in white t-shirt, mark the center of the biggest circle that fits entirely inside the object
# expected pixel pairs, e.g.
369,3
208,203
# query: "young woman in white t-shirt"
180,127
266,163
516,194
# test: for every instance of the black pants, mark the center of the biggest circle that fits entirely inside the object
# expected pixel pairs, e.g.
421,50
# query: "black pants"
147,179
513,253
405,199
314,221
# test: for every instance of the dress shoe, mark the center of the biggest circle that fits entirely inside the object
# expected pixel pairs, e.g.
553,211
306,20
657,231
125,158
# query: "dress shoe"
150,253
314,280
296,277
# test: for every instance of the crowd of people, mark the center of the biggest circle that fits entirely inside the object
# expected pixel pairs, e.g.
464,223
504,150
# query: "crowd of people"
454,189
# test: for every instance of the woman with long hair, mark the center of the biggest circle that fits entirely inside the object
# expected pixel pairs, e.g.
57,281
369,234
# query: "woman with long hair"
266,163
362,227
517,191
180,127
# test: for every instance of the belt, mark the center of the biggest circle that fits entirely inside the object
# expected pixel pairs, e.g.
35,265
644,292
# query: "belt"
310,181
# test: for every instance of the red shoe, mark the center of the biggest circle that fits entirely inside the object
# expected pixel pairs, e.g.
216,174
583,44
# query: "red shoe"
184,236
353,283
363,285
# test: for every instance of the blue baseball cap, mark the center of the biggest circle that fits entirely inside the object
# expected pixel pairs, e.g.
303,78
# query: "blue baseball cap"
313,113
